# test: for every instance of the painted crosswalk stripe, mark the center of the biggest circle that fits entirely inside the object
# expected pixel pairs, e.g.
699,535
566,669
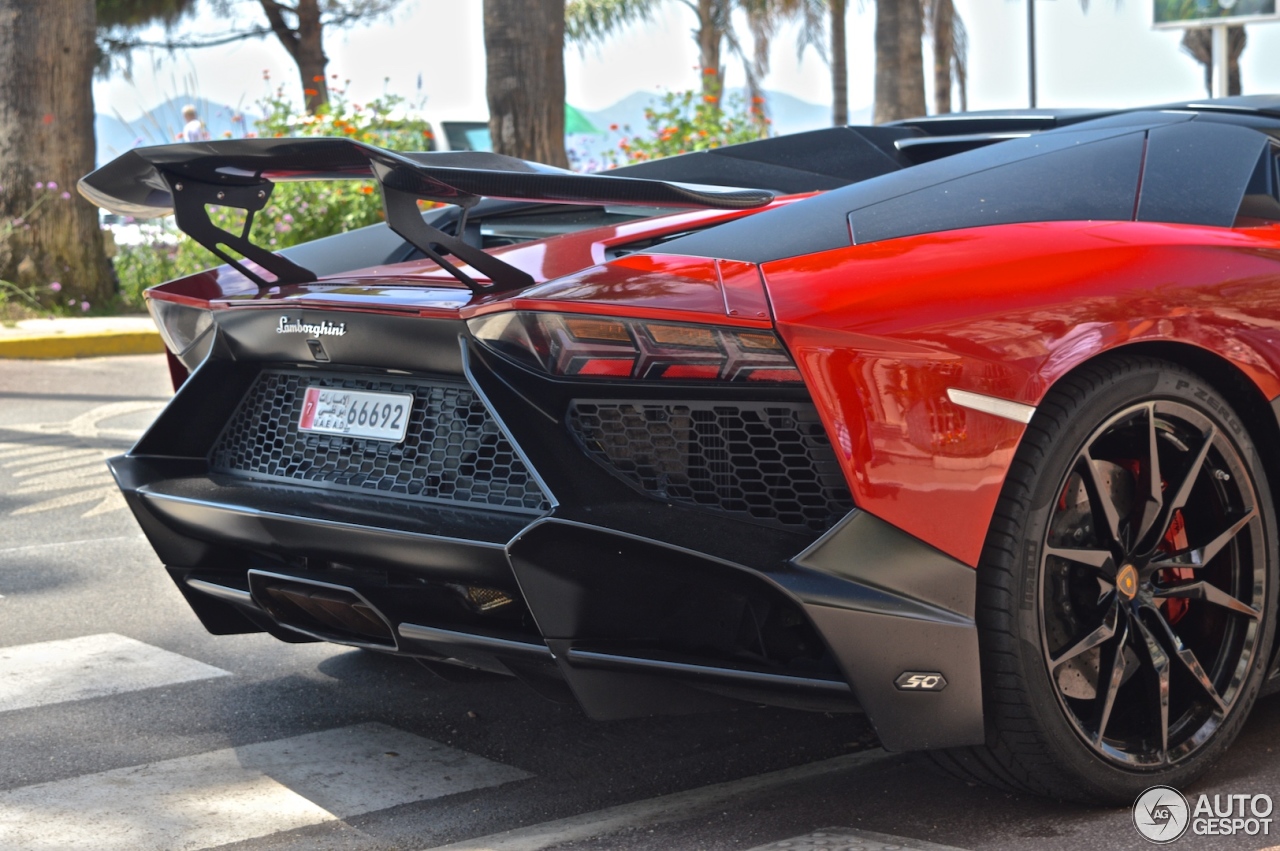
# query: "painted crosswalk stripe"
91,666
242,793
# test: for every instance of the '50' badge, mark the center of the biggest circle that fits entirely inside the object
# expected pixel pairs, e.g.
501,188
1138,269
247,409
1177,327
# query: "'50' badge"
921,681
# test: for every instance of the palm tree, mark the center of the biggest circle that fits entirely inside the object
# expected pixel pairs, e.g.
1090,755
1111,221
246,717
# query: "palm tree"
1199,44
524,55
839,63
595,20
763,19
950,53
46,145
899,89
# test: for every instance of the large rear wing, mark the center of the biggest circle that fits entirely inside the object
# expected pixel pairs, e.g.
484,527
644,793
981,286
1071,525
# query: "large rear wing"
186,179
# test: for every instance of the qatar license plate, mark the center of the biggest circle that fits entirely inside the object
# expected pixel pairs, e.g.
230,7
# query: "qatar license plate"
356,413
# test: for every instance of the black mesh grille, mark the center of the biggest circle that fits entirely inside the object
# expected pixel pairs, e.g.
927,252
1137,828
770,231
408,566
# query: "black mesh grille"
761,461
453,450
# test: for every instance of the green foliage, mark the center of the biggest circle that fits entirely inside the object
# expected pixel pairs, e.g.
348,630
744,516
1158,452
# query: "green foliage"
593,20
134,14
296,212
691,121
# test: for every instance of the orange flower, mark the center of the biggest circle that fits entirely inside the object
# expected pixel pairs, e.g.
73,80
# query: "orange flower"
709,98
310,92
366,190
757,99
318,78
708,70
613,127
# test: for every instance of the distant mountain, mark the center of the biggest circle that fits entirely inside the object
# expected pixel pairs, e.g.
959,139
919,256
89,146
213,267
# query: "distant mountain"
161,125
789,114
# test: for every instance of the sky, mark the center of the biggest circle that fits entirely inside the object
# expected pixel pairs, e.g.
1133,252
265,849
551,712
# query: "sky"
433,51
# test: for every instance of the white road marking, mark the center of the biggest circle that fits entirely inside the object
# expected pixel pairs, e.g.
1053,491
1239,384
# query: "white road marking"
849,839
241,793
92,666
84,543
668,808
43,469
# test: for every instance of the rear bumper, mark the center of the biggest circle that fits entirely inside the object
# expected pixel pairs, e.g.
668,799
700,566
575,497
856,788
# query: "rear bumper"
597,615
606,596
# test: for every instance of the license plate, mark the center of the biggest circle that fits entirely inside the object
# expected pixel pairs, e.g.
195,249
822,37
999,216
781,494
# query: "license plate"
356,413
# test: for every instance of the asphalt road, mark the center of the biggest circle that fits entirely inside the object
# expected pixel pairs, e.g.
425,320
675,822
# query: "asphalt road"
139,730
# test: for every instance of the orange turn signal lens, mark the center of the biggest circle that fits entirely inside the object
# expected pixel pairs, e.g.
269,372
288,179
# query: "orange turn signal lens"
597,329
682,335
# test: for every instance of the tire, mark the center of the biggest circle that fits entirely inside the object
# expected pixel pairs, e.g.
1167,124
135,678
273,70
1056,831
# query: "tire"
1111,661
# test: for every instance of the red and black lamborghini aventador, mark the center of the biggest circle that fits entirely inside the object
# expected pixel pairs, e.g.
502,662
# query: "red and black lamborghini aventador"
969,423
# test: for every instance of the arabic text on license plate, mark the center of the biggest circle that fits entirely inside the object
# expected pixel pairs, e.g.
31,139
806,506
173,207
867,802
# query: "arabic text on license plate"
356,413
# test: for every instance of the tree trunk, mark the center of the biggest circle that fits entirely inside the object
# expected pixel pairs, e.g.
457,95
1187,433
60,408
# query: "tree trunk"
899,60
1199,43
839,64
944,49
524,52
305,45
46,134
710,38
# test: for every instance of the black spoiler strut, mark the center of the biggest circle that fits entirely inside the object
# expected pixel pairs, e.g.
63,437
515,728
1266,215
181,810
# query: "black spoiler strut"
184,179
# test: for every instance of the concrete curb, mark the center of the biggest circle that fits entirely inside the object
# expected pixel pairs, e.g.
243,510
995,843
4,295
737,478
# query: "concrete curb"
80,338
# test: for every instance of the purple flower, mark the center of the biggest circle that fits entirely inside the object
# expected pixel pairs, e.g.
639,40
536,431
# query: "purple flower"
66,196
39,185
84,307
288,218
51,185
56,287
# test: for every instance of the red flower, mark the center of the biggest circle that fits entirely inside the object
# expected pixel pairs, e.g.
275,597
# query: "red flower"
310,92
318,78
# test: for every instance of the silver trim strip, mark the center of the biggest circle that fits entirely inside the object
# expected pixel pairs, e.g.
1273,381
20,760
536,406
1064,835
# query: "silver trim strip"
1015,411
222,592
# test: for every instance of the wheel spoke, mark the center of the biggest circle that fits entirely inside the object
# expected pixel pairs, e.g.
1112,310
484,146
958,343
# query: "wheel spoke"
1103,633
1202,590
1188,659
1160,665
1114,678
1155,489
1101,559
1100,499
1180,496
1200,556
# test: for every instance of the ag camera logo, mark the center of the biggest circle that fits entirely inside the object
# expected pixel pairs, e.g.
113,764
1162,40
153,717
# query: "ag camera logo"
1161,814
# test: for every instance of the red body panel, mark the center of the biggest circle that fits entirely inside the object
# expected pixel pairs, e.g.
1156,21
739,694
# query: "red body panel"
881,331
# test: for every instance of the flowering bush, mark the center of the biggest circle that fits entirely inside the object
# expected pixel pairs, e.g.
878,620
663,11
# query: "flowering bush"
38,298
690,121
296,212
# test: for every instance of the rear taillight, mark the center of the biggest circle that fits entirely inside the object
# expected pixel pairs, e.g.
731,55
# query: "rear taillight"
181,325
606,347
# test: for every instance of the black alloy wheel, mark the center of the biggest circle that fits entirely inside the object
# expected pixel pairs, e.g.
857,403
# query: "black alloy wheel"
1128,587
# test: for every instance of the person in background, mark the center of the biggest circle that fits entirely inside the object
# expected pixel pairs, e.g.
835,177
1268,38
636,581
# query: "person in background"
194,130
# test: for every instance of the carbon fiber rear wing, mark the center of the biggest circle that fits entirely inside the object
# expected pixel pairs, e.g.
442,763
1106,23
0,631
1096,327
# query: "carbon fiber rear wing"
185,179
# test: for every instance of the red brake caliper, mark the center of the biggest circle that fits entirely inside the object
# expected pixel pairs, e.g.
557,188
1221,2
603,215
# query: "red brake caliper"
1174,540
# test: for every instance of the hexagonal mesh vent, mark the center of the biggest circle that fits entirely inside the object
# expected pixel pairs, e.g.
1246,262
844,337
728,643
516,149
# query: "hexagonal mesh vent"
768,462
453,450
